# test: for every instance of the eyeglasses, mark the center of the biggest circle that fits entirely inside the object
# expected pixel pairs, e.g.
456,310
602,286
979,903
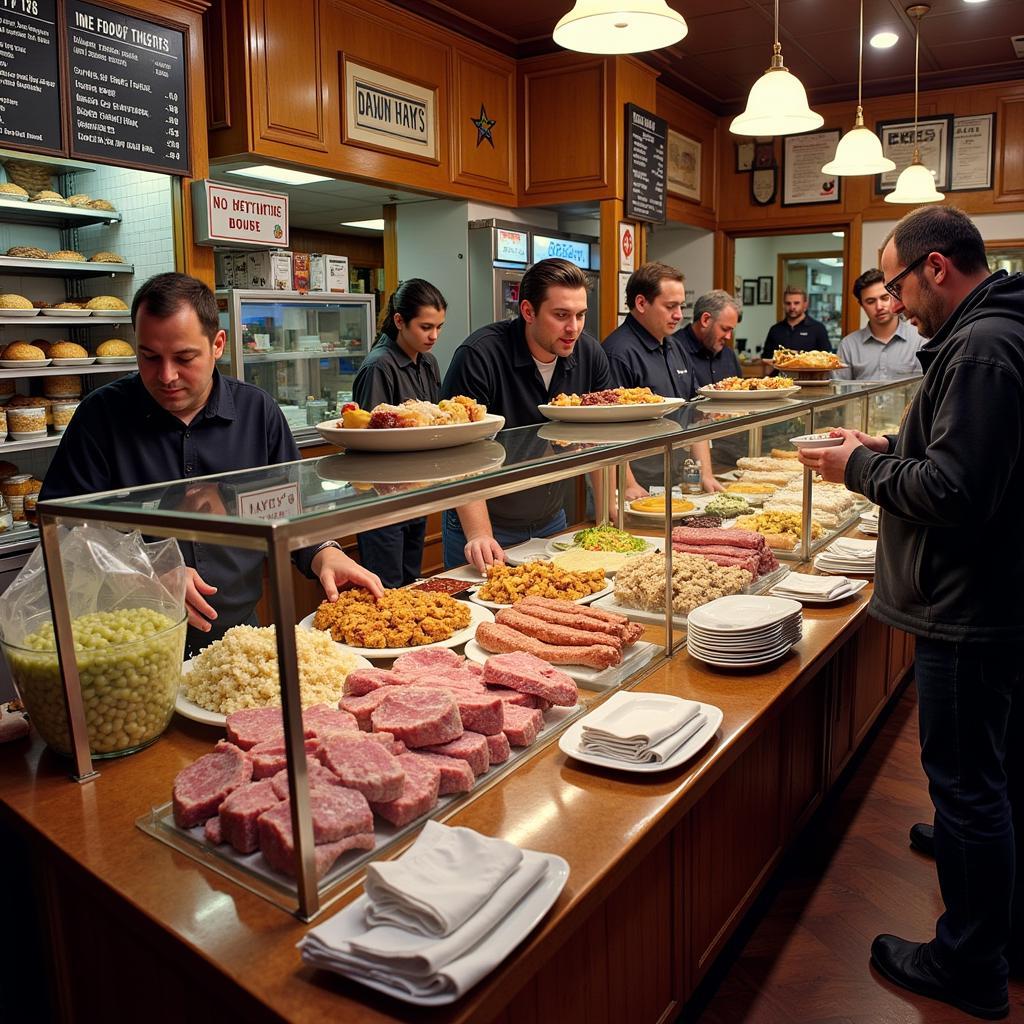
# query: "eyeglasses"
893,287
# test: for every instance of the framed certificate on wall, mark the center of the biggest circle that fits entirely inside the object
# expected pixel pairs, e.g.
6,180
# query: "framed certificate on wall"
934,139
802,159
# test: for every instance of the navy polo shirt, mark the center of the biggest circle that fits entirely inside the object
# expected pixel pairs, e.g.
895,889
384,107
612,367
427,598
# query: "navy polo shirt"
809,335
388,375
707,367
494,366
120,437
639,360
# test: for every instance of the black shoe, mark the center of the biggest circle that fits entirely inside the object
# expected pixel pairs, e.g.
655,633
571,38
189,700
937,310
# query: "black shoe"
922,838
911,966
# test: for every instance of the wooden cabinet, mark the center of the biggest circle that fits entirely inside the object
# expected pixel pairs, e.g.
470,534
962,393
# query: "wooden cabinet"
871,675
803,729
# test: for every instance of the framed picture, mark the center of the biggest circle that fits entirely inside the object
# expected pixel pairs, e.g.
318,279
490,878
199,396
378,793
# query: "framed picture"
765,291
934,140
972,159
764,155
750,293
763,185
803,156
744,156
683,172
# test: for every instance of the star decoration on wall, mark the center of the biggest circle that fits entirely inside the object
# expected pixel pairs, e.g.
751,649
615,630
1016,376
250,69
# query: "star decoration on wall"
483,125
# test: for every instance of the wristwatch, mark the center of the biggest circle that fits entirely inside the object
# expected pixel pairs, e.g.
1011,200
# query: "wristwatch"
326,544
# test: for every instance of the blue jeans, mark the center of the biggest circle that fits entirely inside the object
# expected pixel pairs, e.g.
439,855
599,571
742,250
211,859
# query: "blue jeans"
454,539
971,708
394,553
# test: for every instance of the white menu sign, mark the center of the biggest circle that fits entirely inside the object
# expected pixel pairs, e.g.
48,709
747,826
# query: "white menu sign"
270,503
232,215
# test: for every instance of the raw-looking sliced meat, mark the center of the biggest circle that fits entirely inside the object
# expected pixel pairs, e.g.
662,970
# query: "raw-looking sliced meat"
728,535
364,766
529,674
456,775
240,812
278,847
571,617
366,680
498,749
428,659
317,774
470,747
633,633
422,784
483,712
769,563
324,719
524,700
361,708
522,725
749,562
250,726
707,550
418,716
204,785
580,609
337,812
270,757
551,632
212,831
456,682
498,639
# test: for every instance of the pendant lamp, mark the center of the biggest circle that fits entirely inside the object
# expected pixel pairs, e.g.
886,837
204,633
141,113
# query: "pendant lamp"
777,104
916,184
859,150
619,26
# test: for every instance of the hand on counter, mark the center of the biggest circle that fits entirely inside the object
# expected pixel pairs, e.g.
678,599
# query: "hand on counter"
635,490
830,463
334,568
483,551
710,485
200,612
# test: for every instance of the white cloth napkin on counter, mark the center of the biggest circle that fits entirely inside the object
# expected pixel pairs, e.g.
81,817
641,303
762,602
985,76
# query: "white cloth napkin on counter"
440,882
641,734
851,547
798,583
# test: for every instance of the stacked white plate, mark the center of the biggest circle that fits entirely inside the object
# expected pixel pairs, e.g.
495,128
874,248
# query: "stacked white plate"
869,523
744,630
846,555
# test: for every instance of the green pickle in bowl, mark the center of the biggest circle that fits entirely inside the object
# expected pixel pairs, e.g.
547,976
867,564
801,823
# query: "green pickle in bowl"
129,663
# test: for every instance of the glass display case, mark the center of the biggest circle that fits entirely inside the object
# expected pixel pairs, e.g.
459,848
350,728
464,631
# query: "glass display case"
298,347
338,495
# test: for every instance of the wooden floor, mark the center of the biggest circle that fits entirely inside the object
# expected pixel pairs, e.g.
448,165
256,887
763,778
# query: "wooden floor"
803,956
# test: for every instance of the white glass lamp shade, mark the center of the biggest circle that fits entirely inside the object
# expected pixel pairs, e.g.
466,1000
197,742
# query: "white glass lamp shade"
777,105
915,186
619,26
859,152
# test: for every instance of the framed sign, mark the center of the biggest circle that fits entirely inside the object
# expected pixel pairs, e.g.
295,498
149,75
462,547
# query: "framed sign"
646,145
622,308
803,156
750,293
972,160
765,291
744,156
683,165
763,185
389,113
627,246
933,141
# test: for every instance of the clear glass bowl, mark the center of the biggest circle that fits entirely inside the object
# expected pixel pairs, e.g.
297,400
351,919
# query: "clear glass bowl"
128,689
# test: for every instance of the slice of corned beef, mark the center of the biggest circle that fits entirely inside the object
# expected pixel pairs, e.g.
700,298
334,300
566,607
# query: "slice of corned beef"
470,747
250,726
317,774
364,766
366,680
278,846
337,812
240,812
498,749
483,713
324,720
523,700
429,659
522,725
211,831
418,716
422,784
270,757
456,775
361,708
530,674
204,785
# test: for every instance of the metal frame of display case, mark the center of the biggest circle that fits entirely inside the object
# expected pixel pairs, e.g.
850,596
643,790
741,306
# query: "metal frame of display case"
278,539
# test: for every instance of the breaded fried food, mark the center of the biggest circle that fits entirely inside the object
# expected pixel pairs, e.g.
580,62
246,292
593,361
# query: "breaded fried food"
399,618
507,584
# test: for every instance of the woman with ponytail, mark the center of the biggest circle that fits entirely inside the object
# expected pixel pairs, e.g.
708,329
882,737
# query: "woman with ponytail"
400,366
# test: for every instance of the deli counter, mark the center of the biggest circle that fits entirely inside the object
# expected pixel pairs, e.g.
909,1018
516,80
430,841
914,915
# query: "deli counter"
645,852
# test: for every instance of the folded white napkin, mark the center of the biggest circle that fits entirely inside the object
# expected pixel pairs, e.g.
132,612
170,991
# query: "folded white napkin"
852,547
422,966
634,753
812,586
441,880
638,724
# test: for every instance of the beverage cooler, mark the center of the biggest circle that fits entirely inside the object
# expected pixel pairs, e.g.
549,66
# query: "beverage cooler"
302,348
585,253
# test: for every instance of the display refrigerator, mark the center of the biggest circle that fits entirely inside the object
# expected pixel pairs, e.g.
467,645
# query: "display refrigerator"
499,255
302,348
586,254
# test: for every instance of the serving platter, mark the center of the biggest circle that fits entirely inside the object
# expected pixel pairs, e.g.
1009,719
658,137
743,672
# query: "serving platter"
758,395
607,589
611,413
410,439
411,468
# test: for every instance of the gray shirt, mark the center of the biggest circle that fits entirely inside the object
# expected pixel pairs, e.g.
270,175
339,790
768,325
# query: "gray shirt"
867,358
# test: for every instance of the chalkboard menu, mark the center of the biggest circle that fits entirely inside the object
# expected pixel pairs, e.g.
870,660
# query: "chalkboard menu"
646,138
127,79
29,75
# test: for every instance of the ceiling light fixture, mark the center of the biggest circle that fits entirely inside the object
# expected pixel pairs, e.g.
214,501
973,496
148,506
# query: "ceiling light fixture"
282,175
777,104
860,149
916,184
884,40
619,26
365,225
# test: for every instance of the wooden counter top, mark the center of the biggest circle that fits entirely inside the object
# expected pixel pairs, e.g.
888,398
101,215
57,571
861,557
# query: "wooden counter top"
602,822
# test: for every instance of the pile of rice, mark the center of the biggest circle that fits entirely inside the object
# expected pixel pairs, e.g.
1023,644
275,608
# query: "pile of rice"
695,581
240,670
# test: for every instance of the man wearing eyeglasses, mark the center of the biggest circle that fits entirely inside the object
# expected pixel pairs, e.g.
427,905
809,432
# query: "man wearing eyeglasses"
950,571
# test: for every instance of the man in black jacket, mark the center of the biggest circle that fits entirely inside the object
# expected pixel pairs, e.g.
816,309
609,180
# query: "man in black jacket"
950,564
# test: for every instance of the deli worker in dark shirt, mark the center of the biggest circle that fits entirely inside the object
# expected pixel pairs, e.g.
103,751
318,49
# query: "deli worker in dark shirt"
705,340
178,418
643,352
798,331
401,366
512,367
